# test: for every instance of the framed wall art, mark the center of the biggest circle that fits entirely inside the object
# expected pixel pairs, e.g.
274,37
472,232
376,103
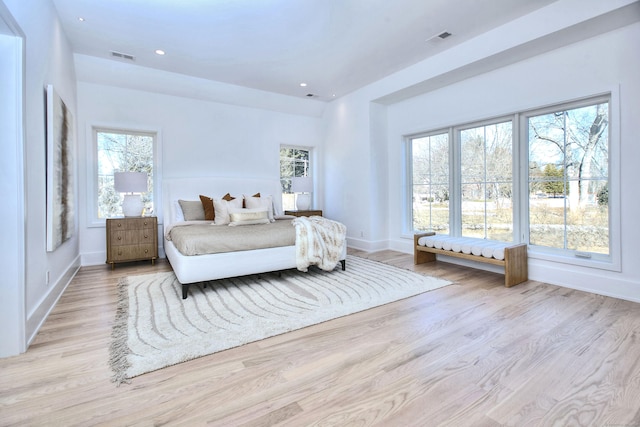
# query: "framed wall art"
60,171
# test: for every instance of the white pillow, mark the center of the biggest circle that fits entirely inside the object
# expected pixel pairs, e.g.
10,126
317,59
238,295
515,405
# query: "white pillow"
248,216
179,216
260,203
221,208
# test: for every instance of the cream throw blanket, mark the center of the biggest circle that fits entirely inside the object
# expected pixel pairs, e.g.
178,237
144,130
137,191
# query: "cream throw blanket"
319,241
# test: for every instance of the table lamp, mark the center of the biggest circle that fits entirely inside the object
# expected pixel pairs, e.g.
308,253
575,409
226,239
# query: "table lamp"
131,182
304,186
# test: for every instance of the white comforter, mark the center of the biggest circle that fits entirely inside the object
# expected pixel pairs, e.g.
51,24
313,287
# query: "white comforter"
319,241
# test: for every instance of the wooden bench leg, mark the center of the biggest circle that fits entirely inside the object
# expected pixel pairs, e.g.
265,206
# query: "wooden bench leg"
420,257
516,268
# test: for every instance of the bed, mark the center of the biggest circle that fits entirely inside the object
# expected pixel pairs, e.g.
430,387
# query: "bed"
198,268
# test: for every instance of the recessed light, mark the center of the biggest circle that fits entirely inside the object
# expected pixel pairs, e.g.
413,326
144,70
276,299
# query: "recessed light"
303,84
160,52
81,19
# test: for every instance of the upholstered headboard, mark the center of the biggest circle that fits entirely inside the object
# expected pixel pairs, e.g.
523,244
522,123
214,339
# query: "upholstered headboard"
174,189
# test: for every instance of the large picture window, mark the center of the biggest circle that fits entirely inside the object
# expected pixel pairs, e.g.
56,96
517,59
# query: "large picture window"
429,156
118,151
487,181
546,182
569,178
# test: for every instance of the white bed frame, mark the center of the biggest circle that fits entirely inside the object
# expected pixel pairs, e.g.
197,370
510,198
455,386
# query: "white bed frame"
192,269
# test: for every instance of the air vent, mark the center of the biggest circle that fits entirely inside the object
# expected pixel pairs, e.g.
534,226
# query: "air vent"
439,36
123,56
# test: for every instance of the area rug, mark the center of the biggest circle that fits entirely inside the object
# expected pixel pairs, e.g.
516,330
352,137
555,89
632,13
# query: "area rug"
155,327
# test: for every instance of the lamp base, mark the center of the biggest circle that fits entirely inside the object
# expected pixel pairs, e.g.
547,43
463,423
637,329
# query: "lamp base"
303,202
132,205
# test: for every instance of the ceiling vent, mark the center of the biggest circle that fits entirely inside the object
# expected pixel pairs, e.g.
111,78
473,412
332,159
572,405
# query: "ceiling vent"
123,56
440,36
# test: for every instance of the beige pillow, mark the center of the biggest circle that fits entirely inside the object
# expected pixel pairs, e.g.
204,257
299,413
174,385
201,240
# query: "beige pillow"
257,202
221,208
248,216
192,210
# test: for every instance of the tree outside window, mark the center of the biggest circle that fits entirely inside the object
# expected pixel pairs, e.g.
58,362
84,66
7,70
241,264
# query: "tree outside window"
118,152
430,182
487,181
569,179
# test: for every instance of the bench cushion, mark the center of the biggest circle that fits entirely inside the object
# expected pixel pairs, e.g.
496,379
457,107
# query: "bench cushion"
466,245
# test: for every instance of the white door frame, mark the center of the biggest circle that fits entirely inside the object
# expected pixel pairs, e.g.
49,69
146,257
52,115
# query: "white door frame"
12,179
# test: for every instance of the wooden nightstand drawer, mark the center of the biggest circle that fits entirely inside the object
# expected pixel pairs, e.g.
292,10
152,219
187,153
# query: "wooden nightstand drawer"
133,223
312,212
132,239
132,252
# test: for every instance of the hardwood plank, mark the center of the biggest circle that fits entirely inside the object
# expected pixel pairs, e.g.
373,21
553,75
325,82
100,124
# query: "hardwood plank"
470,354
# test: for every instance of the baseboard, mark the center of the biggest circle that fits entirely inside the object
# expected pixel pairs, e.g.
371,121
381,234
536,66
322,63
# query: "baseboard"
37,317
367,245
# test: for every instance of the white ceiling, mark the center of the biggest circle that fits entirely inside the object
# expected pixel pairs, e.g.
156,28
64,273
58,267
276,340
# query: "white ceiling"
335,46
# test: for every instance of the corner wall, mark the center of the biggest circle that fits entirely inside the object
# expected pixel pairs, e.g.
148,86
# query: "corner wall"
48,61
589,50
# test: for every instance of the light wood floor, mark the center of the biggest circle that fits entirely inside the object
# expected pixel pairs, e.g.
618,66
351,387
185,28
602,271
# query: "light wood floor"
473,353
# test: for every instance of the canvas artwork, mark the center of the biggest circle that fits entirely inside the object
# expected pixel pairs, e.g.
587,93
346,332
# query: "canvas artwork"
60,189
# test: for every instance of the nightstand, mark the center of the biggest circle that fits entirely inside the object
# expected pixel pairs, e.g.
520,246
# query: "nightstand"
304,213
132,239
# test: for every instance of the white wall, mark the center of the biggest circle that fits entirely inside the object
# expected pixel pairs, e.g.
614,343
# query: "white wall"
585,48
601,64
48,61
198,138
12,304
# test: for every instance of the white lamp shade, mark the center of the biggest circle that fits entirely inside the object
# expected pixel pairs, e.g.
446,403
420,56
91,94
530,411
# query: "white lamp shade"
302,184
130,182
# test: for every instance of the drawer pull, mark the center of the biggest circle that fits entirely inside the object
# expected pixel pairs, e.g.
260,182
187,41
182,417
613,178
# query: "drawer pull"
119,238
119,224
146,251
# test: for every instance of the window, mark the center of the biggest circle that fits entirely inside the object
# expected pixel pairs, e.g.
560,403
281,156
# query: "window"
472,180
429,156
487,181
569,178
121,151
294,162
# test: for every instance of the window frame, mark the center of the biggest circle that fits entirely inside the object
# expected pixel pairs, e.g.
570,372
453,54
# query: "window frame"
92,174
520,179
310,170
609,261
408,177
457,188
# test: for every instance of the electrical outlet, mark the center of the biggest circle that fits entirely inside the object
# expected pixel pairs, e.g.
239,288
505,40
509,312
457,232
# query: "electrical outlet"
47,277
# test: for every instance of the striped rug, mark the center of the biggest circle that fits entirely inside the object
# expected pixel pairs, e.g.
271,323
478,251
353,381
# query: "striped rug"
155,327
